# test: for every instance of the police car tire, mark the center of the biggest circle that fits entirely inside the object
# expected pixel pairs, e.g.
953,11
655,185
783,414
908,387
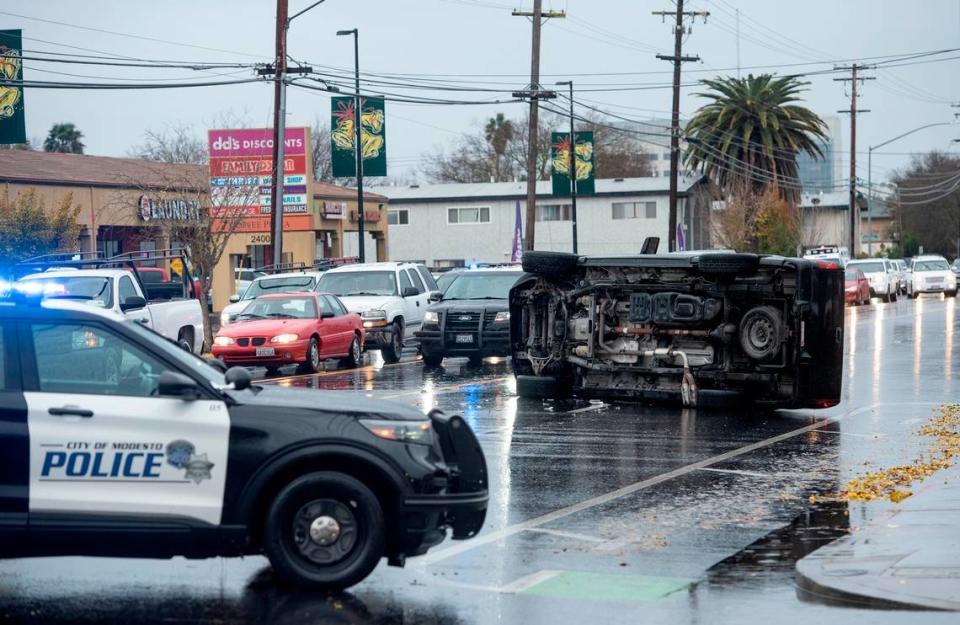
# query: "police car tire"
432,359
278,538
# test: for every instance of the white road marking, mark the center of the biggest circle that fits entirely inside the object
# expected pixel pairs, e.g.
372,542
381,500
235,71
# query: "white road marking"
529,581
570,535
586,409
737,472
486,539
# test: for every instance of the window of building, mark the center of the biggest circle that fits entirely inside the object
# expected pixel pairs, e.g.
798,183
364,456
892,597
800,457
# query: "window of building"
448,263
666,156
553,212
649,156
479,215
398,217
634,210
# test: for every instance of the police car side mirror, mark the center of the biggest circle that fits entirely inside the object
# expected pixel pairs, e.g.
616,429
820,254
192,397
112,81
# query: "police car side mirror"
173,384
435,297
238,377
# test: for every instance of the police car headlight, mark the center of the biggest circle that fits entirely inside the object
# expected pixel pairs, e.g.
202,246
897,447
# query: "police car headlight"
416,432
502,317
223,341
431,318
285,338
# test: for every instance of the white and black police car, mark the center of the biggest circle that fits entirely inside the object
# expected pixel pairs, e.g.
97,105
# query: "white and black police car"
115,442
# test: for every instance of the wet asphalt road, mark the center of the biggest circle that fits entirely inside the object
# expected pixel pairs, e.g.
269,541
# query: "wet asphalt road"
610,513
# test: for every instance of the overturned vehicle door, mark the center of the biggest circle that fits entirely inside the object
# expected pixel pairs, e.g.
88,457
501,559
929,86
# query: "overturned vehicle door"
701,328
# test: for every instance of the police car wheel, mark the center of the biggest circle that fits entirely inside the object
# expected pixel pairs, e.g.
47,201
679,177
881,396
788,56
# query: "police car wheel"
325,530
355,356
312,363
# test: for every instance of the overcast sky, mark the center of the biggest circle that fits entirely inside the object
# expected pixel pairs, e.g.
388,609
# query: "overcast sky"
467,38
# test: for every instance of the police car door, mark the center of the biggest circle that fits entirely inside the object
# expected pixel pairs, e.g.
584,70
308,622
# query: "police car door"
103,442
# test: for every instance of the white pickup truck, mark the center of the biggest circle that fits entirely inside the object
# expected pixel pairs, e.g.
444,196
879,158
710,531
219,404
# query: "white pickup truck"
180,320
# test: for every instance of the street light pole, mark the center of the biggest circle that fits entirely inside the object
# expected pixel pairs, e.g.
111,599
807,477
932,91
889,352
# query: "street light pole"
357,139
573,168
870,180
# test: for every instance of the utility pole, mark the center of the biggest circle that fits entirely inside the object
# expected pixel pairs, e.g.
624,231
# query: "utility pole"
278,69
279,131
534,93
573,167
677,59
854,212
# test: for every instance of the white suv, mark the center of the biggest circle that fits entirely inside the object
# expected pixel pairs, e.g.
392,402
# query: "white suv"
882,276
391,298
932,274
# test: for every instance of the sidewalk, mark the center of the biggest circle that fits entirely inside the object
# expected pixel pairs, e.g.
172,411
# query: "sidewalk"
909,559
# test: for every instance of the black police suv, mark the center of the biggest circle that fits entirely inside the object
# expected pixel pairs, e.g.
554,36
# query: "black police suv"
115,442
471,318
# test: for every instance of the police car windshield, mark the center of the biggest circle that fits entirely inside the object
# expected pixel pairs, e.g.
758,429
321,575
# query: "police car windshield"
95,291
481,286
264,286
359,283
173,352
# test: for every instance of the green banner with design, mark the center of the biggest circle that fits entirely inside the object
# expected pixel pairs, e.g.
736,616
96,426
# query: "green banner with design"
373,137
560,154
12,126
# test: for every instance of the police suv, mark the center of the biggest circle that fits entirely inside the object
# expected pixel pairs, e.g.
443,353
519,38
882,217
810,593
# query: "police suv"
115,442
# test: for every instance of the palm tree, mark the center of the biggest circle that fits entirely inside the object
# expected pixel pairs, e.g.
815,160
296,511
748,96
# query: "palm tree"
749,135
498,132
64,138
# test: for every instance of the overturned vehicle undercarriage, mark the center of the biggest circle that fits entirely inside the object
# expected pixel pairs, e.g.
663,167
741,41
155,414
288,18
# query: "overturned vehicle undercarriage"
705,328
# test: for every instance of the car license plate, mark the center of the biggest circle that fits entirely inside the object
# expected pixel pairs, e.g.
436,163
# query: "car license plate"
266,351
464,338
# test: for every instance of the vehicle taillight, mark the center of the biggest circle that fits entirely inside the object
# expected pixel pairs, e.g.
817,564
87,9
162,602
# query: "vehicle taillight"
827,264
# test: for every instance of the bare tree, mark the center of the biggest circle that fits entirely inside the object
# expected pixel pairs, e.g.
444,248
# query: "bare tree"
498,152
320,137
930,206
176,143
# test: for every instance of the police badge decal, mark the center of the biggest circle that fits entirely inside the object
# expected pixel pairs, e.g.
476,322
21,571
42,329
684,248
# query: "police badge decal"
181,454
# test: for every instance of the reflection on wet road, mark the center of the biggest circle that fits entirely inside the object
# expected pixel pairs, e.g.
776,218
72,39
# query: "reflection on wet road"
619,513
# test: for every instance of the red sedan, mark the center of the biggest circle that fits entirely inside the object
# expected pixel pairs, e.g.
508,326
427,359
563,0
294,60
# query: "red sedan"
856,287
287,328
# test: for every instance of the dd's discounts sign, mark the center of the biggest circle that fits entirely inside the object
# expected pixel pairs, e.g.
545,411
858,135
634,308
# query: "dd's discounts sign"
241,166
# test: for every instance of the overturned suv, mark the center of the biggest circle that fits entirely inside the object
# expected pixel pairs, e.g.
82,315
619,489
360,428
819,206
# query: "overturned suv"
702,327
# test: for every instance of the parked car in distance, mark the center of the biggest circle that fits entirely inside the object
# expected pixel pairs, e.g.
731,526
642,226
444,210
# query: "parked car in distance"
291,328
193,462
699,327
884,282
955,267
242,278
836,253
471,318
300,281
856,287
180,320
932,274
391,298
